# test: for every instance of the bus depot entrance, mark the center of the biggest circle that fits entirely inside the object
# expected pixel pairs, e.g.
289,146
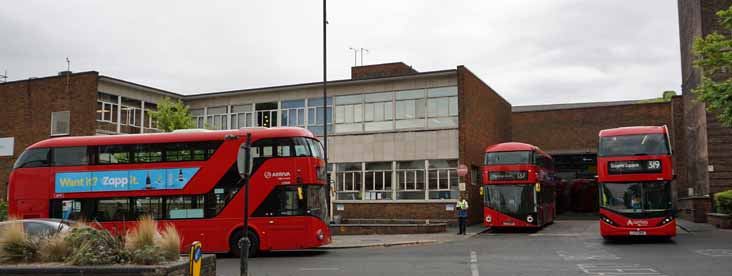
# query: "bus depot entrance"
577,194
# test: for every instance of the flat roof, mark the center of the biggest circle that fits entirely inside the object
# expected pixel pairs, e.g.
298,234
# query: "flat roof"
547,107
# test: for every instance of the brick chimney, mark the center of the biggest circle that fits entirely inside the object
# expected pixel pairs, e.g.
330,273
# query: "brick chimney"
381,70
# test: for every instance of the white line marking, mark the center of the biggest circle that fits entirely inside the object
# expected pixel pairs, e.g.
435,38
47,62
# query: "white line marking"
715,252
319,269
474,264
618,269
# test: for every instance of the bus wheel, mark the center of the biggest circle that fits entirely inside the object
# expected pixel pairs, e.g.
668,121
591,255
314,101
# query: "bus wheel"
234,243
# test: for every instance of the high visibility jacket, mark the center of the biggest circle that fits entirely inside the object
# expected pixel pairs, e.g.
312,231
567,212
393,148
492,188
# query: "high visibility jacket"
463,204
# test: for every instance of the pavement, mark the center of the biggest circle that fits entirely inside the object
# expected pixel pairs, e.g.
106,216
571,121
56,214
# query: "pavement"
358,241
567,247
693,227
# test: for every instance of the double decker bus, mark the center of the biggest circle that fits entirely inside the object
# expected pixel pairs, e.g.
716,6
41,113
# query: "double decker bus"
188,179
634,174
519,186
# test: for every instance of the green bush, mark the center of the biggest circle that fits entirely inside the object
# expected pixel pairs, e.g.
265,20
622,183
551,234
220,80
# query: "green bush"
723,201
3,210
92,246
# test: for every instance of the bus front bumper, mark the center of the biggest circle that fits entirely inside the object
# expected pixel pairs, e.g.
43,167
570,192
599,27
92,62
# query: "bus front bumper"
666,230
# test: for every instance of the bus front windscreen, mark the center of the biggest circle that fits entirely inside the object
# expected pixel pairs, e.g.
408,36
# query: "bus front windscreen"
636,197
629,145
512,200
508,157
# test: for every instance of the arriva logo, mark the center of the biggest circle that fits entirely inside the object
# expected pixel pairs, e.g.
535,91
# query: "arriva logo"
276,174
637,222
114,181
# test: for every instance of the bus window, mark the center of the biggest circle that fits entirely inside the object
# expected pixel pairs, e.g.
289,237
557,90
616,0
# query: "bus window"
113,154
113,209
70,156
148,206
184,207
147,153
33,158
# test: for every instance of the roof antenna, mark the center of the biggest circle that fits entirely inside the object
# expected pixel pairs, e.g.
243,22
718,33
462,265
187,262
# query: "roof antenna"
355,55
4,76
367,51
68,74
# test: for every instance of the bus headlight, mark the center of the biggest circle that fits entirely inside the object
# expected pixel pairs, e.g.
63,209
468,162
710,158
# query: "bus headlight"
488,219
607,220
530,219
319,234
666,220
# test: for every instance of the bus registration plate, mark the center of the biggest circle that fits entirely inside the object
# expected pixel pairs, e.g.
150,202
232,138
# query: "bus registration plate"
637,233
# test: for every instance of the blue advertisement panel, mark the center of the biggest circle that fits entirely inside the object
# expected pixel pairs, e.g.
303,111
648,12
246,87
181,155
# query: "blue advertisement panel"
128,180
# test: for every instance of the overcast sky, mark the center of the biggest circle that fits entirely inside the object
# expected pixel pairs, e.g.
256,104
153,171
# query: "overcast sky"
531,52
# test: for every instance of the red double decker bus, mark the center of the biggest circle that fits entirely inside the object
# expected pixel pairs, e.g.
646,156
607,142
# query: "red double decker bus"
634,174
519,186
188,179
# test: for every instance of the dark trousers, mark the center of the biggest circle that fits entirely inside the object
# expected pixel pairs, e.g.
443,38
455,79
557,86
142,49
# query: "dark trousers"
462,221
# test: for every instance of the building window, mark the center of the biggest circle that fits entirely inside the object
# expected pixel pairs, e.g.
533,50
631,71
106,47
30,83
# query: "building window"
443,179
197,117
316,118
242,116
60,123
410,109
379,111
266,114
378,184
107,107
216,117
131,112
149,109
348,181
293,113
349,113
442,107
410,180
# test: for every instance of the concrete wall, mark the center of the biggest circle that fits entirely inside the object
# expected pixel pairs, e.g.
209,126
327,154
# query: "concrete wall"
405,145
485,119
27,107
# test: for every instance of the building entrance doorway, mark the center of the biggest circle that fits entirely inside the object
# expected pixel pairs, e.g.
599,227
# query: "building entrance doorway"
577,194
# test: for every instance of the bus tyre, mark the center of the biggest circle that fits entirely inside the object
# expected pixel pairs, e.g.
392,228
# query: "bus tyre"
234,243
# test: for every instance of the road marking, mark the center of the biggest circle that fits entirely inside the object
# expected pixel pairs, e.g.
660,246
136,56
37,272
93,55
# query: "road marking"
715,252
596,255
474,264
319,268
555,235
618,269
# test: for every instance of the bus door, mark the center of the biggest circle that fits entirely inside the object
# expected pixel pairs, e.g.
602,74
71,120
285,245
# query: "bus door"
284,215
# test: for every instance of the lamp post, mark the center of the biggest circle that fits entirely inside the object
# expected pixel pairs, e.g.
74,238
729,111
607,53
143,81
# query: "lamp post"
325,110
244,242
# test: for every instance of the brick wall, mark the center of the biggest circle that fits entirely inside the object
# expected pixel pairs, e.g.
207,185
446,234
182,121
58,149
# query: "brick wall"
27,107
575,130
678,142
381,70
485,119
432,211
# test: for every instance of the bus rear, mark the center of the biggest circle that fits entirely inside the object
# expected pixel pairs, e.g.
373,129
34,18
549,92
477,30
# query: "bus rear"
517,187
634,176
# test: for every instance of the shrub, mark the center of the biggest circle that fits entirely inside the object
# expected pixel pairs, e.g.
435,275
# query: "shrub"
16,246
3,210
55,248
724,202
92,246
169,243
141,242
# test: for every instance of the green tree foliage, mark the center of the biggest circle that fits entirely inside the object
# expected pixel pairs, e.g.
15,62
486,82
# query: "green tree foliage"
714,59
666,97
172,115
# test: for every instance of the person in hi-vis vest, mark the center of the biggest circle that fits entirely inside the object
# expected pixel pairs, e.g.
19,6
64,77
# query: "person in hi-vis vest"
462,213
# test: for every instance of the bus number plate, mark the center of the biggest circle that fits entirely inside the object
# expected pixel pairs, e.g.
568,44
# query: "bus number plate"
637,233
508,223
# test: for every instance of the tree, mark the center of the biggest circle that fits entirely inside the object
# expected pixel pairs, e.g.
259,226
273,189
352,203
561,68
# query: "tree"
172,115
714,59
665,97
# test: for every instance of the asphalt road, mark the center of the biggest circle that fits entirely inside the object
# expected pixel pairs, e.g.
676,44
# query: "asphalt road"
564,248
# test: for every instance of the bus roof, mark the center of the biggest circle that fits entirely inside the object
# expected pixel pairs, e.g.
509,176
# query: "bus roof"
515,146
634,130
184,136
